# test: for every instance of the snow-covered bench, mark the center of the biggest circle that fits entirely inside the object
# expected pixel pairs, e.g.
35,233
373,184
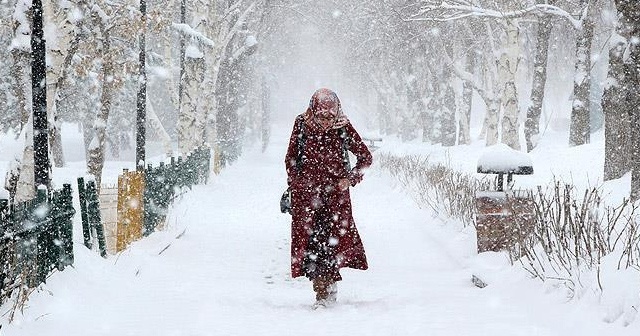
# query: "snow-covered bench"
504,217
371,142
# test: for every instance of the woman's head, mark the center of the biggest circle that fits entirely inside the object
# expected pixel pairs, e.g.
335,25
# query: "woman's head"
325,107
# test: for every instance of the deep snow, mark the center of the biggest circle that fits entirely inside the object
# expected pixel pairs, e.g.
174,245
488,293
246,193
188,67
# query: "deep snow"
222,266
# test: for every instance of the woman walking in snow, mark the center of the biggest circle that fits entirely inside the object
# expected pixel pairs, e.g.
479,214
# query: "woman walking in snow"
324,237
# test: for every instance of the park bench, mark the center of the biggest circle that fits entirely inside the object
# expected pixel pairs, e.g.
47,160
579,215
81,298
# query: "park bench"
371,142
504,217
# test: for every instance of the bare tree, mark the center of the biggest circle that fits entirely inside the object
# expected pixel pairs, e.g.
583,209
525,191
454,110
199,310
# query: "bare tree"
464,108
580,129
113,30
617,131
500,79
630,28
540,58
441,11
218,40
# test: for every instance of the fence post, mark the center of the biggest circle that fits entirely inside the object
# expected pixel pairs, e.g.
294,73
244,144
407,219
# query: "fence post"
131,207
20,223
57,217
121,225
4,245
177,171
42,230
207,164
149,195
86,229
4,216
93,214
172,174
65,258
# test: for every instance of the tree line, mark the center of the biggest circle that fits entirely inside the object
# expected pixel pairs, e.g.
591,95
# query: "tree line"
425,63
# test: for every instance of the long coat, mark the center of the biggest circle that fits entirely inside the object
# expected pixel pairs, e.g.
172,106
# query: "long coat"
314,190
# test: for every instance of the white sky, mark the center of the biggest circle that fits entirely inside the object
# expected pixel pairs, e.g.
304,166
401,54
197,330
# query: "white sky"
229,273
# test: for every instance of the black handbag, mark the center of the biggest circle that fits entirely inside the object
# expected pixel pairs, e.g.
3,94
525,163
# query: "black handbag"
285,201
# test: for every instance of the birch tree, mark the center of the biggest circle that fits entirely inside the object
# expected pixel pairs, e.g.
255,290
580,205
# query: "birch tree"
440,11
11,116
507,70
20,52
191,119
464,108
20,49
580,129
25,187
210,35
61,45
499,79
114,27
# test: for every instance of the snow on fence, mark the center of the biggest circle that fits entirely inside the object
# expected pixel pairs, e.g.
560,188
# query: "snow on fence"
371,142
141,201
92,227
109,209
35,238
130,208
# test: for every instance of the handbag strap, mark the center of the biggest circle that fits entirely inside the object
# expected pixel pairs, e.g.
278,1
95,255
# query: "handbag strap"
345,153
301,140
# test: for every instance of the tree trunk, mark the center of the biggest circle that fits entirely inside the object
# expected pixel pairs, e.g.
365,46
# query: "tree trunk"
20,72
617,122
58,55
448,108
532,124
154,122
188,134
580,128
25,187
432,116
630,29
507,70
491,121
95,162
464,122
265,120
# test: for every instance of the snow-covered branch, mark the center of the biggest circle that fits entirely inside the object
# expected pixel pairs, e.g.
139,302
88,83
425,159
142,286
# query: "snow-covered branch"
188,31
239,22
455,10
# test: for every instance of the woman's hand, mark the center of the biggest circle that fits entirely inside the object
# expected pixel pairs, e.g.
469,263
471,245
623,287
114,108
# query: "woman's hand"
343,184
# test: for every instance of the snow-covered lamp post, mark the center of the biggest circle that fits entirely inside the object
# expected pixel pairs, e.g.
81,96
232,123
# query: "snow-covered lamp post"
142,93
38,85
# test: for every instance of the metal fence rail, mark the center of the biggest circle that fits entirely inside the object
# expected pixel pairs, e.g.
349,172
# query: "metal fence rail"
163,182
35,238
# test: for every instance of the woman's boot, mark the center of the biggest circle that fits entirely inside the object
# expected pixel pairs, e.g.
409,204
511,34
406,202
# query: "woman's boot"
332,291
320,286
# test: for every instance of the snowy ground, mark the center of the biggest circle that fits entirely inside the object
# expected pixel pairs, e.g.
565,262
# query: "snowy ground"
222,268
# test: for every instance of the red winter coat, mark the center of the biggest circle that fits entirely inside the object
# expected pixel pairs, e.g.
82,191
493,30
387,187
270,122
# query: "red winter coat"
314,188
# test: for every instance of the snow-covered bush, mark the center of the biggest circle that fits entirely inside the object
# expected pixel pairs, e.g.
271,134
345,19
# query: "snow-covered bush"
573,235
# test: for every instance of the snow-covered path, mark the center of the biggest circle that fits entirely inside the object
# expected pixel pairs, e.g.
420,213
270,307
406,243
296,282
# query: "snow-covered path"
222,268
